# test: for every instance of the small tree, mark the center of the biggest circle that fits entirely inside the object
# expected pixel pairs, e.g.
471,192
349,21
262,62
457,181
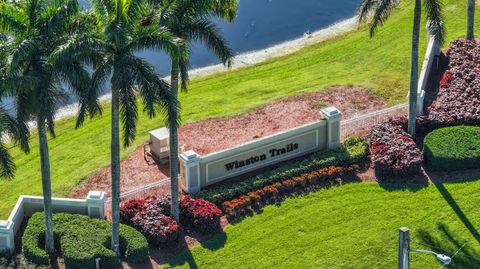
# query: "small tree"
378,12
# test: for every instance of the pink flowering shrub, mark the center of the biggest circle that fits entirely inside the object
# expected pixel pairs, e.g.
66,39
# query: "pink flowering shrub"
393,151
458,99
160,230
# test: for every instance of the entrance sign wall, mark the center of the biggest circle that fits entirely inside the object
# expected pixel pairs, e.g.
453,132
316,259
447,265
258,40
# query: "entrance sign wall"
200,171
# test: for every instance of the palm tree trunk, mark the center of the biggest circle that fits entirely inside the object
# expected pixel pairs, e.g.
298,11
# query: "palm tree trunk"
412,111
471,19
46,185
115,169
173,140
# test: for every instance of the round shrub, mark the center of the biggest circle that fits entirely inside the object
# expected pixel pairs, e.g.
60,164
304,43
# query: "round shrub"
200,214
393,151
133,246
129,209
159,229
80,240
453,148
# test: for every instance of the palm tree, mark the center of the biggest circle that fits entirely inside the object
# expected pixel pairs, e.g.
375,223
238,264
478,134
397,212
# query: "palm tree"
380,10
121,31
471,19
190,20
35,29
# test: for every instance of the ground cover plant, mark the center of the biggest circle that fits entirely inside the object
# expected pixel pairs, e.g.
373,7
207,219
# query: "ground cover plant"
453,148
80,239
152,217
352,151
276,192
458,99
393,151
379,64
350,226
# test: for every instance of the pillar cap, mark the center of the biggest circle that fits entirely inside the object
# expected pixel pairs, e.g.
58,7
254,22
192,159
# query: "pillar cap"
331,112
5,225
190,156
96,195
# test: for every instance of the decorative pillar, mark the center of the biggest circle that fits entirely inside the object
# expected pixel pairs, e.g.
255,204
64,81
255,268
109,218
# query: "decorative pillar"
332,116
96,204
7,243
190,171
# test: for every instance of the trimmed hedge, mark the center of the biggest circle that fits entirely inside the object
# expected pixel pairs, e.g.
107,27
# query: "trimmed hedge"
353,150
453,148
80,239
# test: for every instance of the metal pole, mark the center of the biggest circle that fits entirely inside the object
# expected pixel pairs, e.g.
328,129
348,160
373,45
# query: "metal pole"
404,248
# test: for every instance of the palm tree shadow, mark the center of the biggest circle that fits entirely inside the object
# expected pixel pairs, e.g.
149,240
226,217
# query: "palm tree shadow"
456,208
186,257
447,243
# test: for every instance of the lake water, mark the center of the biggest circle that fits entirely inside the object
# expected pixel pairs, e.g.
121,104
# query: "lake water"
259,24
263,23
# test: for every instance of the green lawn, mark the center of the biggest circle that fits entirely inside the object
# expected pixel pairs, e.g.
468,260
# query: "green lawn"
350,226
381,64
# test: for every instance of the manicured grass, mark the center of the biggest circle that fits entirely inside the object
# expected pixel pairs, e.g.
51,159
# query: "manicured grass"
380,64
350,226
453,148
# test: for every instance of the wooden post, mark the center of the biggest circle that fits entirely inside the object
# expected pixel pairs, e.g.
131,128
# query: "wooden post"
404,248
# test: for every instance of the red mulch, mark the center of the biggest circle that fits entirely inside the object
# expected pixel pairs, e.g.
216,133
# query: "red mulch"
215,134
220,133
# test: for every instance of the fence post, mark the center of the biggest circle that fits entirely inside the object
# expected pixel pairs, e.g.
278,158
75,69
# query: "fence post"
96,204
404,248
333,117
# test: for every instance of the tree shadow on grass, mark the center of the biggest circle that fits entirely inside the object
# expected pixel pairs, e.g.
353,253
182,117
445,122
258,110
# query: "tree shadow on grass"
216,242
461,251
456,208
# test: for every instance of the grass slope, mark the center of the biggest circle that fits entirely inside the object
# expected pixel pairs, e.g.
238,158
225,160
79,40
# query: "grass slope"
380,64
350,226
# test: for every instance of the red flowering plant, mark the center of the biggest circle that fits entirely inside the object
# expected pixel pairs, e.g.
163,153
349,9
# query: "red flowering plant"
200,214
160,230
129,209
393,151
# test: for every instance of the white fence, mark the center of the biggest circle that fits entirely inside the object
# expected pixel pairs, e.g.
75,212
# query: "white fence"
158,188
363,124
92,206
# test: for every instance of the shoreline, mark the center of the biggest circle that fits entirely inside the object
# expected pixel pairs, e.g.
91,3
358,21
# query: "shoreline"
244,59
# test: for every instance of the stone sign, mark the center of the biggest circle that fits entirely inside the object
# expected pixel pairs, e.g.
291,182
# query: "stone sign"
199,171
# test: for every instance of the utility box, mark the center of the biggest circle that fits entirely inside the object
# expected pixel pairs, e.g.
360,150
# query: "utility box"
159,144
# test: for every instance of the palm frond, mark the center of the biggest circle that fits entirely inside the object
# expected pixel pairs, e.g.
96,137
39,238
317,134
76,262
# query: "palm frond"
207,33
128,114
381,10
7,166
22,56
103,10
151,37
56,20
435,17
11,19
365,9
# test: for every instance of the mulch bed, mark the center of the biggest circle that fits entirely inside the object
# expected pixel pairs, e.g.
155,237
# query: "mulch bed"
215,134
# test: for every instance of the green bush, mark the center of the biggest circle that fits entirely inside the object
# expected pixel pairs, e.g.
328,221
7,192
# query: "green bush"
80,240
353,150
453,148
133,247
